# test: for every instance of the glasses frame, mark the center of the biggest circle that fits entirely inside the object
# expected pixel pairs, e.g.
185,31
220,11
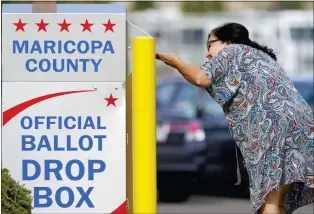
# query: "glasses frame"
211,42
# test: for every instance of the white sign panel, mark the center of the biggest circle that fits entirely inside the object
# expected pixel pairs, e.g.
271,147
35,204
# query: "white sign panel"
64,116
64,47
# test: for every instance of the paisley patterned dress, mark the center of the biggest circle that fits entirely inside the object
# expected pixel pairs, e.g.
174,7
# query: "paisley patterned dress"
269,120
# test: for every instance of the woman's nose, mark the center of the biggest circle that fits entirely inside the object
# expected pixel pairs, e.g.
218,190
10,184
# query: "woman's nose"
207,55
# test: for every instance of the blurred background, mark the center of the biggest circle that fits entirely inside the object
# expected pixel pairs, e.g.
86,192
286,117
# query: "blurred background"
183,27
196,158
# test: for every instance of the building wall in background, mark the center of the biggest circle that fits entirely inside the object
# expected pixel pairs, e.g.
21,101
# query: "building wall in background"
240,6
288,33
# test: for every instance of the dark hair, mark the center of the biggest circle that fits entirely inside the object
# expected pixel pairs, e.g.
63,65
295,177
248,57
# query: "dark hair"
238,34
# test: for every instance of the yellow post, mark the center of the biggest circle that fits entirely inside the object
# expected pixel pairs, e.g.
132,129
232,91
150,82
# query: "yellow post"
144,125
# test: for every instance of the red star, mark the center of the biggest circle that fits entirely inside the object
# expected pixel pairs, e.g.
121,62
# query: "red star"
111,100
42,25
86,26
64,25
109,26
19,25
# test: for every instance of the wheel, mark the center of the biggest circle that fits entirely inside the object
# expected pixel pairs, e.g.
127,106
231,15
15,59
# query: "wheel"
174,188
174,194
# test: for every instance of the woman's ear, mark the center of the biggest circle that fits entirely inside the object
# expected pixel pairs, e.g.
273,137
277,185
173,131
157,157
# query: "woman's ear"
225,44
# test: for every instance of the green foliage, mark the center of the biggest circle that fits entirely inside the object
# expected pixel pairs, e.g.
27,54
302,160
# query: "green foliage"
291,5
85,2
142,5
202,6
15,198
59,2
16,2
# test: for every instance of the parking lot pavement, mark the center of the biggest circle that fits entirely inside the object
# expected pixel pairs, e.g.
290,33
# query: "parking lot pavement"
211,204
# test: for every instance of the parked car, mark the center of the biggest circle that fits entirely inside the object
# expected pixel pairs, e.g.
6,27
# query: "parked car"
192,134
305,85
194,143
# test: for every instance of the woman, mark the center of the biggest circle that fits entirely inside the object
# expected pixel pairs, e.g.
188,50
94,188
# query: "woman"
268,119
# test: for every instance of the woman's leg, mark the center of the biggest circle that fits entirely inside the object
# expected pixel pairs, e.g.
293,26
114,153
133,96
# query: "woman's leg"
274,201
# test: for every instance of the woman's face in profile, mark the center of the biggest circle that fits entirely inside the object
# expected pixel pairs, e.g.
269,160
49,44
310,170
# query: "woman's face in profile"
214,45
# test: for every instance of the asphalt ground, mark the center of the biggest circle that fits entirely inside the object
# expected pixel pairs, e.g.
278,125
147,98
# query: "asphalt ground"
202,204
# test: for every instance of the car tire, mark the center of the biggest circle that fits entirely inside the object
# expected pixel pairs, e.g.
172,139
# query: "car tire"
174,194
175,188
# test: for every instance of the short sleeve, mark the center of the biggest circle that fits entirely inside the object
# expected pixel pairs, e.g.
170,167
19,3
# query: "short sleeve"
223,72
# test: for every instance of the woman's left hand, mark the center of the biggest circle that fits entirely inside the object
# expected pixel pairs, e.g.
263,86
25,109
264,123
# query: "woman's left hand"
169,59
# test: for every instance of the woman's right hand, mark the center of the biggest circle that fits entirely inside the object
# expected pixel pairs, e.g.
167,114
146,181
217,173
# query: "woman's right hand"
169,59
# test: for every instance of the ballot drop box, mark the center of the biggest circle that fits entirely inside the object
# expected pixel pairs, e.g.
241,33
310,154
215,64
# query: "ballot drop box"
63,107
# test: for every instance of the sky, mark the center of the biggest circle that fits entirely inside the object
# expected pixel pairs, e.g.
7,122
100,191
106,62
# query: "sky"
68,8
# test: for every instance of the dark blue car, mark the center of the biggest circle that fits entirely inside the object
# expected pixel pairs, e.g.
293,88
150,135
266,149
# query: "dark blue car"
194,144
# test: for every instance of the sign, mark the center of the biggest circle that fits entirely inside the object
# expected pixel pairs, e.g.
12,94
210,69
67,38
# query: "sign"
64,116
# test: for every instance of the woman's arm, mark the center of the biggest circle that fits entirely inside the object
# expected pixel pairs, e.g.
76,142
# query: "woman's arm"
219,74
193,74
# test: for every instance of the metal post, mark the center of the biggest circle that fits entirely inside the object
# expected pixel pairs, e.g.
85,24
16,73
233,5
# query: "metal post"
44,7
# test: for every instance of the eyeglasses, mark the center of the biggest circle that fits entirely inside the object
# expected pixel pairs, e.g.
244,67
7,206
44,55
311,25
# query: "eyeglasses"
211,42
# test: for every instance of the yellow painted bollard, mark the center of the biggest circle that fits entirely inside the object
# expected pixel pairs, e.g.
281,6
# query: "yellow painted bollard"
144,125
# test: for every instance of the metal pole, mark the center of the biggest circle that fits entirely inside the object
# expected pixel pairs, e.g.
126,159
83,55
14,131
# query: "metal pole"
44,7
129,149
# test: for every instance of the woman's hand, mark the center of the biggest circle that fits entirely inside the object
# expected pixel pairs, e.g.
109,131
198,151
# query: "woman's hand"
169,59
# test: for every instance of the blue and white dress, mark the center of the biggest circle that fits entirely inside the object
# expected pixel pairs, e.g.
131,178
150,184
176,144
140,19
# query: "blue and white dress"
269,120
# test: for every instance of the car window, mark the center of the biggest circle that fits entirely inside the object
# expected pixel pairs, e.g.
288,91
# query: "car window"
165,93
186,92
183,103
188,98
211,107
307,91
